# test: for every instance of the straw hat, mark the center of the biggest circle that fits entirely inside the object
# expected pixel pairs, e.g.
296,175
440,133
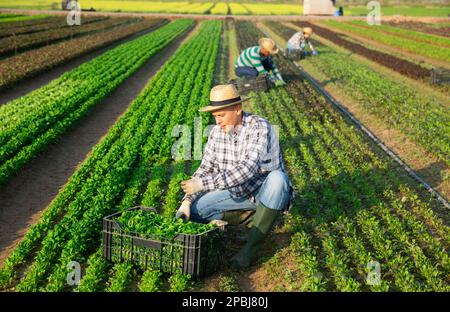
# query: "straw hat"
269,45
222,96
308,31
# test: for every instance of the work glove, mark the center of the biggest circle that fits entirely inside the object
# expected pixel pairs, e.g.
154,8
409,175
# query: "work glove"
192,186
314,53
219,223
184,211
280,81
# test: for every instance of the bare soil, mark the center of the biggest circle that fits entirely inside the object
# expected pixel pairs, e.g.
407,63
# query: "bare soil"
422,27
26,195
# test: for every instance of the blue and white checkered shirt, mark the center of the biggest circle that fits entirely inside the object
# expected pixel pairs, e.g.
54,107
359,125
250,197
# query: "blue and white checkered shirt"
239,160
298,41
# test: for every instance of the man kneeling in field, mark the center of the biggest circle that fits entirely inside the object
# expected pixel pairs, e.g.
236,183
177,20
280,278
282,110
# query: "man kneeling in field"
242,169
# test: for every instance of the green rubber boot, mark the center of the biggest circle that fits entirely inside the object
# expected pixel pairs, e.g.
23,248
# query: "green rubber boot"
262,224
238,217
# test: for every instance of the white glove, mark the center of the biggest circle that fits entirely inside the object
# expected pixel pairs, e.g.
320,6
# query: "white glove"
280,81
184,211
192,186
219,223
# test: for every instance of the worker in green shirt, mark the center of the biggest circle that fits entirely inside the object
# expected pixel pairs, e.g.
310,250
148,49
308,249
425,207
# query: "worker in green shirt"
257,61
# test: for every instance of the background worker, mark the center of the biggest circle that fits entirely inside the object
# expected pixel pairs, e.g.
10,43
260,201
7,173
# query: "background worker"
299,41
257,61
242,169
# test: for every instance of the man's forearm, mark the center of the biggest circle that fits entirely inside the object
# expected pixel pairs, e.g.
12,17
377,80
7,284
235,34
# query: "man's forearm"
230,178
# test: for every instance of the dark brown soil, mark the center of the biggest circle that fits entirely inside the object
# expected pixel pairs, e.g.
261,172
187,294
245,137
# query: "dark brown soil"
26,195
399,65
422,27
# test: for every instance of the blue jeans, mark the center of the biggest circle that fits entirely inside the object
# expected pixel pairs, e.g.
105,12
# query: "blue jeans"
274,193
292,47
251,72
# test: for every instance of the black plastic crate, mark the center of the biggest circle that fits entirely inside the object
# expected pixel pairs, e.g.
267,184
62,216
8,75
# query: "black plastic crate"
440,75
247,85
197,255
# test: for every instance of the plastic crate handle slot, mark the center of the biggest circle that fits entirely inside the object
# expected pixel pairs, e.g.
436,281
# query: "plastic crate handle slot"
136,241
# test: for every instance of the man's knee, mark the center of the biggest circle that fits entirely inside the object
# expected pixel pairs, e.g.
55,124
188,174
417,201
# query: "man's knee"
274,193
246,72
201,206
278,181
209,204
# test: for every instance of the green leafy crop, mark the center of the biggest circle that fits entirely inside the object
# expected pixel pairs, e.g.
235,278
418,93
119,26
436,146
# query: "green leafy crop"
150,223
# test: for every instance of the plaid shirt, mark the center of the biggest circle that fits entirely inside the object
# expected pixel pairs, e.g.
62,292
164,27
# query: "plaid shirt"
299,41
239,160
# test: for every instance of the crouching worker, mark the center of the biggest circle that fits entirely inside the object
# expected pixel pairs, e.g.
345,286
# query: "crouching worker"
257,61
242,169
299,40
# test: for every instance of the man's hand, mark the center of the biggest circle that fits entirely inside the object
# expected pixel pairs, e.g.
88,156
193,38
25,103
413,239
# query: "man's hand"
314,52
184,211
192,186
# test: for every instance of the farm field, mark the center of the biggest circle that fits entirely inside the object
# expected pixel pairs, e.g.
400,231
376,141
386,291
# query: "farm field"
32,122
356,213
34,61
388,93
222,7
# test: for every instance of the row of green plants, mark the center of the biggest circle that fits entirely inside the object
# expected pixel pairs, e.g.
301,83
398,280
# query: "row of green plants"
410,45
28,124
185,94
157,187
7,15
423,119
329,203
355,209
13,44
162,192
24,65
25,23
22,19
116,176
